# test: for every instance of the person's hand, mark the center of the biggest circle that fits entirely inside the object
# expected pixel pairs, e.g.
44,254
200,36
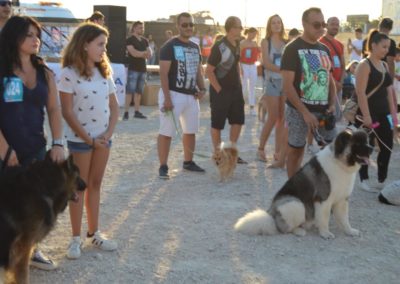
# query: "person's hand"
367,121
167,106
57,154
199,95
99,142
331,109
311,120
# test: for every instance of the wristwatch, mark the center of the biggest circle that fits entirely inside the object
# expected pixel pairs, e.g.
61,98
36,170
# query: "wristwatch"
58,142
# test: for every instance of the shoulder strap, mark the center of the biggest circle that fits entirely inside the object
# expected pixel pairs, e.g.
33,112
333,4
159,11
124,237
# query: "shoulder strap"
380,84
269,46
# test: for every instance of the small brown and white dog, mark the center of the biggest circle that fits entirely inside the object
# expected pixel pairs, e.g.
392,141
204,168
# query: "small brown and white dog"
225,158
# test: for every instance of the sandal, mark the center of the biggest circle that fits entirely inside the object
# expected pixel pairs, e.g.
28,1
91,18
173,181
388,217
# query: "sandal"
261,156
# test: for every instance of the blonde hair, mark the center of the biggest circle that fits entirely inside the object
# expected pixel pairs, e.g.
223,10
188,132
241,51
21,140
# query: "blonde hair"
75,55
282,34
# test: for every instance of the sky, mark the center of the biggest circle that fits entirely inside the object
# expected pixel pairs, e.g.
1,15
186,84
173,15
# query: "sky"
251,12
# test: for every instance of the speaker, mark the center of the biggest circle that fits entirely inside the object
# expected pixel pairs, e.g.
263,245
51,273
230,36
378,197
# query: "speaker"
115,21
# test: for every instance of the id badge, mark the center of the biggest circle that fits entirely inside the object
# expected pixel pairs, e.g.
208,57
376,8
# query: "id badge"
13,89
336,61
248,53
277,59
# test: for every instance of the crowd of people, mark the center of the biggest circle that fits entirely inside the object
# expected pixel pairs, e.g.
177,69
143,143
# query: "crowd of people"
306,80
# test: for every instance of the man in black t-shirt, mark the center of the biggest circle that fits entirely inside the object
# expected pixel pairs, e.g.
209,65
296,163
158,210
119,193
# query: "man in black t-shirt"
182,85
309,86
226,96
138,51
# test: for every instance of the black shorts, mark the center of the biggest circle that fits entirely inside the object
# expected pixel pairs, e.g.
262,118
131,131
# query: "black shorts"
226,105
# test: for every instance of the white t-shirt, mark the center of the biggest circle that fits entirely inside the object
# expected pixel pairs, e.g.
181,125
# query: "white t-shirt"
357,43
90,102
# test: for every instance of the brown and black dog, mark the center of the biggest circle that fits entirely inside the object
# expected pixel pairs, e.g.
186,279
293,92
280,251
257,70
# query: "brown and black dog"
225,158
30,200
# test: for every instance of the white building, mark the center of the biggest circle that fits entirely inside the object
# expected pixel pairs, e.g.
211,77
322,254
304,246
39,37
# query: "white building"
391,9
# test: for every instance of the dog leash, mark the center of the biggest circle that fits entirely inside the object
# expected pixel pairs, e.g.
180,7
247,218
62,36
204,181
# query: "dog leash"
179,132
372,129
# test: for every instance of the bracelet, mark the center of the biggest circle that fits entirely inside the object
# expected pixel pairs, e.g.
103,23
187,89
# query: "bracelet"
59,145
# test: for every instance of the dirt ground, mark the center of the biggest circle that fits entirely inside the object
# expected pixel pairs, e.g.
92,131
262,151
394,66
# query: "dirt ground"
181,230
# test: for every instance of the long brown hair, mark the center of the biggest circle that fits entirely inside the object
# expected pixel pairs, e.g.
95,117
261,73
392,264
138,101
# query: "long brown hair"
75,55
282,34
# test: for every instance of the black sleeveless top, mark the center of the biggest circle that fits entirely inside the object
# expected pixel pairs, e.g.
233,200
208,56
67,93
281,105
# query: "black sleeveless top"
378,103
22,122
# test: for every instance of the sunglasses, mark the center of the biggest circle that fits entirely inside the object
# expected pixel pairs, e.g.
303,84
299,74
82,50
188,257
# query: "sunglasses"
318,25
186,25
4,3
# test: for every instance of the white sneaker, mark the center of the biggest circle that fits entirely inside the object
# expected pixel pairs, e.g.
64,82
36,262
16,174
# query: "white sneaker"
99,241
364,185
312,149
74,248
377,185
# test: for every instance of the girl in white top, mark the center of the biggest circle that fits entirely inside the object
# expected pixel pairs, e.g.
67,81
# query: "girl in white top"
90,108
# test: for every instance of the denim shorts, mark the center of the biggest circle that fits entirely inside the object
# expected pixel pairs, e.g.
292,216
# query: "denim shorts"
135,83
273,87
82,147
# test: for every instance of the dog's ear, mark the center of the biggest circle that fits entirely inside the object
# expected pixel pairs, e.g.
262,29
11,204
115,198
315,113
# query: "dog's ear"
69,163
341,141
47,158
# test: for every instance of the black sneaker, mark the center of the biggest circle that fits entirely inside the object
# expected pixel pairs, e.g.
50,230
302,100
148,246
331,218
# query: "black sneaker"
191,166
163,172
241,161
138,114
126,116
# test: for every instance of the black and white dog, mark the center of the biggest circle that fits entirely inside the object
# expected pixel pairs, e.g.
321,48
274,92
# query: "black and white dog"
322,185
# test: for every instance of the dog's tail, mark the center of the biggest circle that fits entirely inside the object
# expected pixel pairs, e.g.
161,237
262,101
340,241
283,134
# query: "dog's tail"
258,222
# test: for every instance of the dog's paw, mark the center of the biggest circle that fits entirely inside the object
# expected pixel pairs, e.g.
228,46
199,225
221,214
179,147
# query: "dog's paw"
327,235
353,232
300,232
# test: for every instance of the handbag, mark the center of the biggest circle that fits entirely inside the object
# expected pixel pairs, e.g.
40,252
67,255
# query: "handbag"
351,106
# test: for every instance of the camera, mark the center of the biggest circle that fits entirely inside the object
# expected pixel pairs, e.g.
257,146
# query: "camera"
327,120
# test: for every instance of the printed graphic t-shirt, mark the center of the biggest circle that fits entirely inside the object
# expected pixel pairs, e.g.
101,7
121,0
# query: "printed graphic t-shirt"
312,66
185,59
225,57
90,101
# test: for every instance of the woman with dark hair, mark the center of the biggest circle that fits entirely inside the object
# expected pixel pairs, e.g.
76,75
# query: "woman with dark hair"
273,99
377,110
90,108
28,88
249,54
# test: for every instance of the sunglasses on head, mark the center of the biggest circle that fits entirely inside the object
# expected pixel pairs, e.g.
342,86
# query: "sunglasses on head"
4,3
318,25
185,25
